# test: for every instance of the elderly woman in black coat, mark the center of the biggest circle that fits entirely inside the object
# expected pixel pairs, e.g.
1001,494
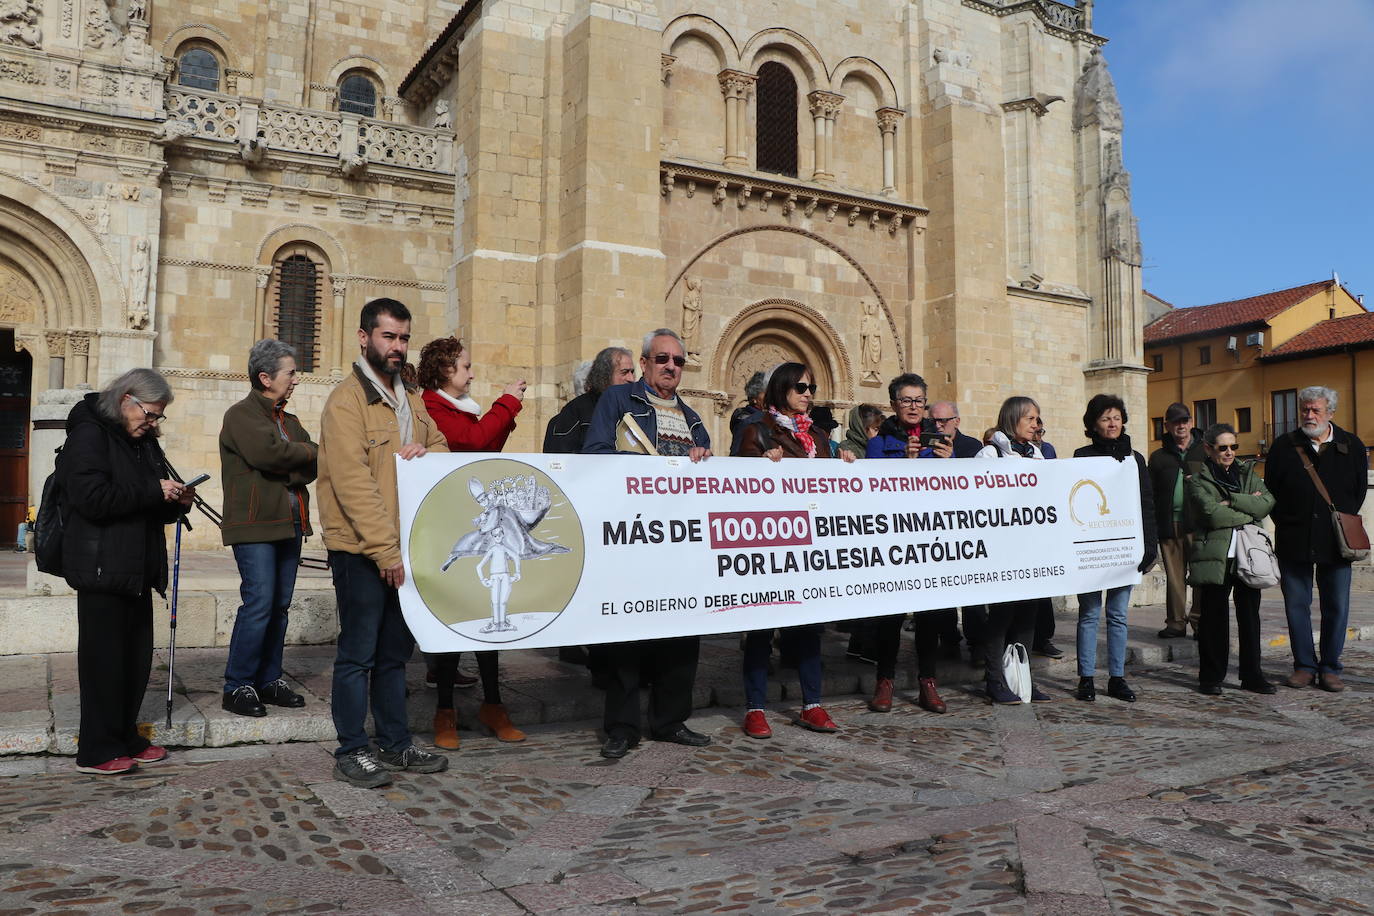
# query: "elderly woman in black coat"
117,496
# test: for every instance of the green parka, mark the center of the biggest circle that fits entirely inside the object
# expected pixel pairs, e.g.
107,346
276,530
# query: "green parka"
1214,522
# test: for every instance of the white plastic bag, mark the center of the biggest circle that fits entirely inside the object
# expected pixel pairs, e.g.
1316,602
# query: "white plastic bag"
1016,671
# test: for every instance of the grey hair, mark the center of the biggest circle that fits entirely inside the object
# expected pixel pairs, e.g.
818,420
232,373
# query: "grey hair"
754,387
1216,431
266,356
1318,393
146,385
661,332
603,367
1013,409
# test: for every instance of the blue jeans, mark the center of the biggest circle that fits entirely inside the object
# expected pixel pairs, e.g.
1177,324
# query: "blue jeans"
803,642
374,646
1089,609
1333,584
267,577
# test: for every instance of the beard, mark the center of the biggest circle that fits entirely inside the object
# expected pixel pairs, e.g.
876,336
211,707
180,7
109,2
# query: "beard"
1316,430
378,360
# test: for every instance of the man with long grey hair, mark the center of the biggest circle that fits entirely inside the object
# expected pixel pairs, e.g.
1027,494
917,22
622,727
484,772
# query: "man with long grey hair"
267,459
568,428
1317,451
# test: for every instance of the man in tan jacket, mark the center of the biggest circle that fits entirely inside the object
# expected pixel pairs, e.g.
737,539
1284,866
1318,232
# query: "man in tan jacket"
369,419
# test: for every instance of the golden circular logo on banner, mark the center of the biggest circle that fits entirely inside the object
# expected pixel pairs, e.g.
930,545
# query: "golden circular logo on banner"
496,550
1101,507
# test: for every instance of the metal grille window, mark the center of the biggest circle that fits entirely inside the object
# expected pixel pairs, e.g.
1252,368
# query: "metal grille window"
198,69
776,120
298,308
358,94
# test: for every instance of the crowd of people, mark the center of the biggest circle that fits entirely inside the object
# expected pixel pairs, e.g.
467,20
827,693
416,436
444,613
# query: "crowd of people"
119,494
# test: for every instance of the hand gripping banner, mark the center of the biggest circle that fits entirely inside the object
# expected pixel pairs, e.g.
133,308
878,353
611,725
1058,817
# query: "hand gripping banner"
529,551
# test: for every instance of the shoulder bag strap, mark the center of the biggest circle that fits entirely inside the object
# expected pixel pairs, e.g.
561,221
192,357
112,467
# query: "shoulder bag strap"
1316,480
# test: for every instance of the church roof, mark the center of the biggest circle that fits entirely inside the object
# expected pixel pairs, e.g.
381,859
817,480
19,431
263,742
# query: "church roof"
1224,316
1335,334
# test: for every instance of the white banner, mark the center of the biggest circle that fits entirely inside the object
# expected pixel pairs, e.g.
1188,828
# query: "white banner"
527,551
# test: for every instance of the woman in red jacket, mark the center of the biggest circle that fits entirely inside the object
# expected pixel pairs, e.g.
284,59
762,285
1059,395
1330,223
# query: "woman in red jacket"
445,373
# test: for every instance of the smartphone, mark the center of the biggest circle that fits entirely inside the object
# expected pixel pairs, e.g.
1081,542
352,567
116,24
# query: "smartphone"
198,481
929,439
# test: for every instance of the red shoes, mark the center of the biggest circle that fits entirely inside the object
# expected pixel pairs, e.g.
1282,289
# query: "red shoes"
817,720
150,754
929,699
110,767
882,696
756,724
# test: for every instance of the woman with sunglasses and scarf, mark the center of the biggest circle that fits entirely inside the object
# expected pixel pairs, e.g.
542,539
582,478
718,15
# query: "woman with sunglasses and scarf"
1225,494
784,430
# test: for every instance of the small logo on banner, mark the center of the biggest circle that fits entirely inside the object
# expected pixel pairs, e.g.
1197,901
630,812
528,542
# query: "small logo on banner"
1089,508
496,550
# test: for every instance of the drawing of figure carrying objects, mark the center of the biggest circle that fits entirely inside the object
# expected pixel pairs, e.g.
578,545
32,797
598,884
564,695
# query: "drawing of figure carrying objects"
511,508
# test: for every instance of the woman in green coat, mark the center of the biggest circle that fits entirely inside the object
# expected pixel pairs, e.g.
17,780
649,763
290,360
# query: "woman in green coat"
1225,494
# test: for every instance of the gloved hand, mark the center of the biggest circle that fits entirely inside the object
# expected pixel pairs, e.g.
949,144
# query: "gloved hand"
1147,562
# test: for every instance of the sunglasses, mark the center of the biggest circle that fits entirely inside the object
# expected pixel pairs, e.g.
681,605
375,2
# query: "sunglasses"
662,359
804,388
1226,448
148,415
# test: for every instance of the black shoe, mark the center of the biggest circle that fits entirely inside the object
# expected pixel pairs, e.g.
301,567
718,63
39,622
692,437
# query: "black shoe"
1000,695
278,694
412,760
1039,696
684,735
1210,690
361,769
244,702
1119,689
1087,690
1049,650
1262,687
617,746
1167,633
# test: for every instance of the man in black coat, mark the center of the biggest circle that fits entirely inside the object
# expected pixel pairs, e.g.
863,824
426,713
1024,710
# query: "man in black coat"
1306,538
567,429
1179,455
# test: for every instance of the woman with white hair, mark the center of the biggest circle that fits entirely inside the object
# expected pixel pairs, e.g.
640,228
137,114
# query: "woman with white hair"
117,496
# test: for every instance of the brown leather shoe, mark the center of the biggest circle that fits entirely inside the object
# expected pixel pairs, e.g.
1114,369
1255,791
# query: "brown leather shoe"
497,721
1300,678
928,699
882,696
1331,682
446,729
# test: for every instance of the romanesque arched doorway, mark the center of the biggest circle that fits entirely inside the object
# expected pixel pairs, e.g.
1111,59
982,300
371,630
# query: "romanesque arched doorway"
16,378
782,330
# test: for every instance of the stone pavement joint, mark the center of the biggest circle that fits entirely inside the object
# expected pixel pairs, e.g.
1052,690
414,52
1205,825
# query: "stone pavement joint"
1055,857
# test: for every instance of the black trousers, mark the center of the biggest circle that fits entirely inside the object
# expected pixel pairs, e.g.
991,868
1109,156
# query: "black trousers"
114,656
1008,622
1214,632
673,665
1044,622
975,622
925,635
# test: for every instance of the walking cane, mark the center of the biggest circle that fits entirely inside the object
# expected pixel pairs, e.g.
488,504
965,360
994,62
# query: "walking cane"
172,654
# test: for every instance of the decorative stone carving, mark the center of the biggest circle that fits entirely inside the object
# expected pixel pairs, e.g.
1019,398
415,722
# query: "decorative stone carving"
961,59
871,343
666,62
19,23
81,343
669,179
789,205
101,30
825,103
354,167
443,119
138,10
765,200
19,298
264,276
1094,96
810,206
173,131
742,196
691,189
138,286
691,319
252,150
889,118
718,195
57,343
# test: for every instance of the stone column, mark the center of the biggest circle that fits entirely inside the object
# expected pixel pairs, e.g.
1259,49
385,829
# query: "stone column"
57,358
736,85
264,276
81,351
340,287
824,107
888,119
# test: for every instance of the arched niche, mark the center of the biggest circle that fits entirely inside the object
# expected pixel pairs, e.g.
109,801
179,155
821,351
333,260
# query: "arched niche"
773,331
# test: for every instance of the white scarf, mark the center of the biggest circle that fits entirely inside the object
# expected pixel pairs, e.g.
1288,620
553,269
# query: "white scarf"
466,404
395,397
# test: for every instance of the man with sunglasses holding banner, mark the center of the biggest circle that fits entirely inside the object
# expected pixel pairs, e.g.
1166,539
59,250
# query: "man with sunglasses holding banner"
648,418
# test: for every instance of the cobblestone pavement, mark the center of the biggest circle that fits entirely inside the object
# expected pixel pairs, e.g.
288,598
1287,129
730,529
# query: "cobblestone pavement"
1180,803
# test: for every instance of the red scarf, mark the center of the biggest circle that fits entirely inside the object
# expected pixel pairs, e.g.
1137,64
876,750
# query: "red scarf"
799,426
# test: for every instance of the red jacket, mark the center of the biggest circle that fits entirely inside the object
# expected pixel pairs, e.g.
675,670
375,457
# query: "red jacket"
466,433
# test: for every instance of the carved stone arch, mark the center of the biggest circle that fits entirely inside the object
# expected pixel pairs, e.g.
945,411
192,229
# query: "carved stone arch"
87,287
209,34
820,240
367,63
709,31
771,331
788,47
875,76
335,260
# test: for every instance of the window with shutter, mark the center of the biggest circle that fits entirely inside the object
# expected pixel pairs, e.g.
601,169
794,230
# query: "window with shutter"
298,307
776,120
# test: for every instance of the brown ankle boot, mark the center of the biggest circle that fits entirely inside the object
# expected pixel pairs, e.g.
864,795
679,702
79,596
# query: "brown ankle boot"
882,696
446,729
497,721
929,699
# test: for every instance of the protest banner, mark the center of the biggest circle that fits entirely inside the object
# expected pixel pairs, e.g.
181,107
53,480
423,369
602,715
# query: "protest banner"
528,551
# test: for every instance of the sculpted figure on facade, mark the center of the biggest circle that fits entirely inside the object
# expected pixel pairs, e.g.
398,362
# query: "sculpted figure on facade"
871,342
1094,96
443,120
101,29
138,282
19,23
691,319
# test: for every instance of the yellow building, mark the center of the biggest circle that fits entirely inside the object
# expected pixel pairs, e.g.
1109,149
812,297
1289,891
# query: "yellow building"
1243,362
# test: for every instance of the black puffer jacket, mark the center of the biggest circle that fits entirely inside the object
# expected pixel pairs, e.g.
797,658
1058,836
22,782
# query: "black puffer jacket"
113,539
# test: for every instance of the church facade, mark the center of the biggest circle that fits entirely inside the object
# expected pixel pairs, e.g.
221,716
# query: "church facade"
871,187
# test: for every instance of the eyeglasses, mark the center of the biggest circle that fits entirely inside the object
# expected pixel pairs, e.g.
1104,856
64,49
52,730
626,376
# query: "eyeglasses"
662,359
148,415
1225,448
938,420
911,402
804,388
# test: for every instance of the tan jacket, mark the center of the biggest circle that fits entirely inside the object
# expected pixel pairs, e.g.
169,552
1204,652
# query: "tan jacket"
357,486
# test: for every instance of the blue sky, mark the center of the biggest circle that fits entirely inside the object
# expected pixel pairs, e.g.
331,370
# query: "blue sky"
1249,136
